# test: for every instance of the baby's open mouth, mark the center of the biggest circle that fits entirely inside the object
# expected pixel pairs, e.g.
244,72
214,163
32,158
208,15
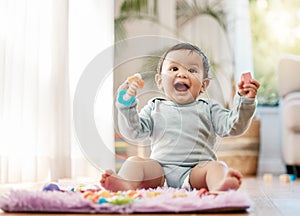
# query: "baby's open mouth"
181,87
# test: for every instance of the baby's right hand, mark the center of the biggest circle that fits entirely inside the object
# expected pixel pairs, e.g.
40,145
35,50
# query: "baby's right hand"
131,85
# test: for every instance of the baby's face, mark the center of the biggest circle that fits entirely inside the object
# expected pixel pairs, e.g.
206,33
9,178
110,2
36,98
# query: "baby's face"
181,76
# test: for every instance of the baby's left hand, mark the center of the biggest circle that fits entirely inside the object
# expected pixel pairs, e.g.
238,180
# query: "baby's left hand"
248,89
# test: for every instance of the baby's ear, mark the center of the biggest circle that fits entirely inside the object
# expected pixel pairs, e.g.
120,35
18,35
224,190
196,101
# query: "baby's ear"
158,81
204,86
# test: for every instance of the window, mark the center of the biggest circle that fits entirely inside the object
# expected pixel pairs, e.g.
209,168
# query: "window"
275,32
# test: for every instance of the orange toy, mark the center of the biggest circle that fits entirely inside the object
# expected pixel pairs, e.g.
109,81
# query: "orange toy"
136,78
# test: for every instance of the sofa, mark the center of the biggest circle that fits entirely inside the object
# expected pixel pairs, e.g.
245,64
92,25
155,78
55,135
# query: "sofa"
289,92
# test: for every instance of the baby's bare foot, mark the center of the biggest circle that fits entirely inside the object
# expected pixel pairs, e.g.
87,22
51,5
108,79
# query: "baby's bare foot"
232,181
111,181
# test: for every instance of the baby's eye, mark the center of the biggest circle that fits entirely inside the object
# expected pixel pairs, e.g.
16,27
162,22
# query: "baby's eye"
174,69
192,70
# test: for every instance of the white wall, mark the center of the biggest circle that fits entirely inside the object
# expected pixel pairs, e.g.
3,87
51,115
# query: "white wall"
239,28
270,156
91,32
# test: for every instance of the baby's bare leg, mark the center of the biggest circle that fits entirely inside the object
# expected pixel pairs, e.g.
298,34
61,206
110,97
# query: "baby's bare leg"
215,176
135,173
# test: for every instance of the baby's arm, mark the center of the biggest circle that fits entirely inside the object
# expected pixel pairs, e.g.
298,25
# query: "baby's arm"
248,86
132,125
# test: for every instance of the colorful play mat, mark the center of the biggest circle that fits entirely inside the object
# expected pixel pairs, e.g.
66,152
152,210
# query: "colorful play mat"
80,199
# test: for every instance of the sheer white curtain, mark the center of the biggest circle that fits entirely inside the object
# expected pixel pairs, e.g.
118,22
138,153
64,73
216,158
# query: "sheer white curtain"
37,81
34,91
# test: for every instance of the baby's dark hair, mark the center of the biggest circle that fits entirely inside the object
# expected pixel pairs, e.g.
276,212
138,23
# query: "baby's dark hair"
185,46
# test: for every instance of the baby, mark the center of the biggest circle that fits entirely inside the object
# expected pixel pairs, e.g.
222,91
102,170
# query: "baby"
181,127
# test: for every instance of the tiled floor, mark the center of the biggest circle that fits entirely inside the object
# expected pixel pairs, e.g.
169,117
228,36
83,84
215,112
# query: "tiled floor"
274,198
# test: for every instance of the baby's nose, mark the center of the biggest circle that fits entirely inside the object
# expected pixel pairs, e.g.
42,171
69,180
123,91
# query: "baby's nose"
182,73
